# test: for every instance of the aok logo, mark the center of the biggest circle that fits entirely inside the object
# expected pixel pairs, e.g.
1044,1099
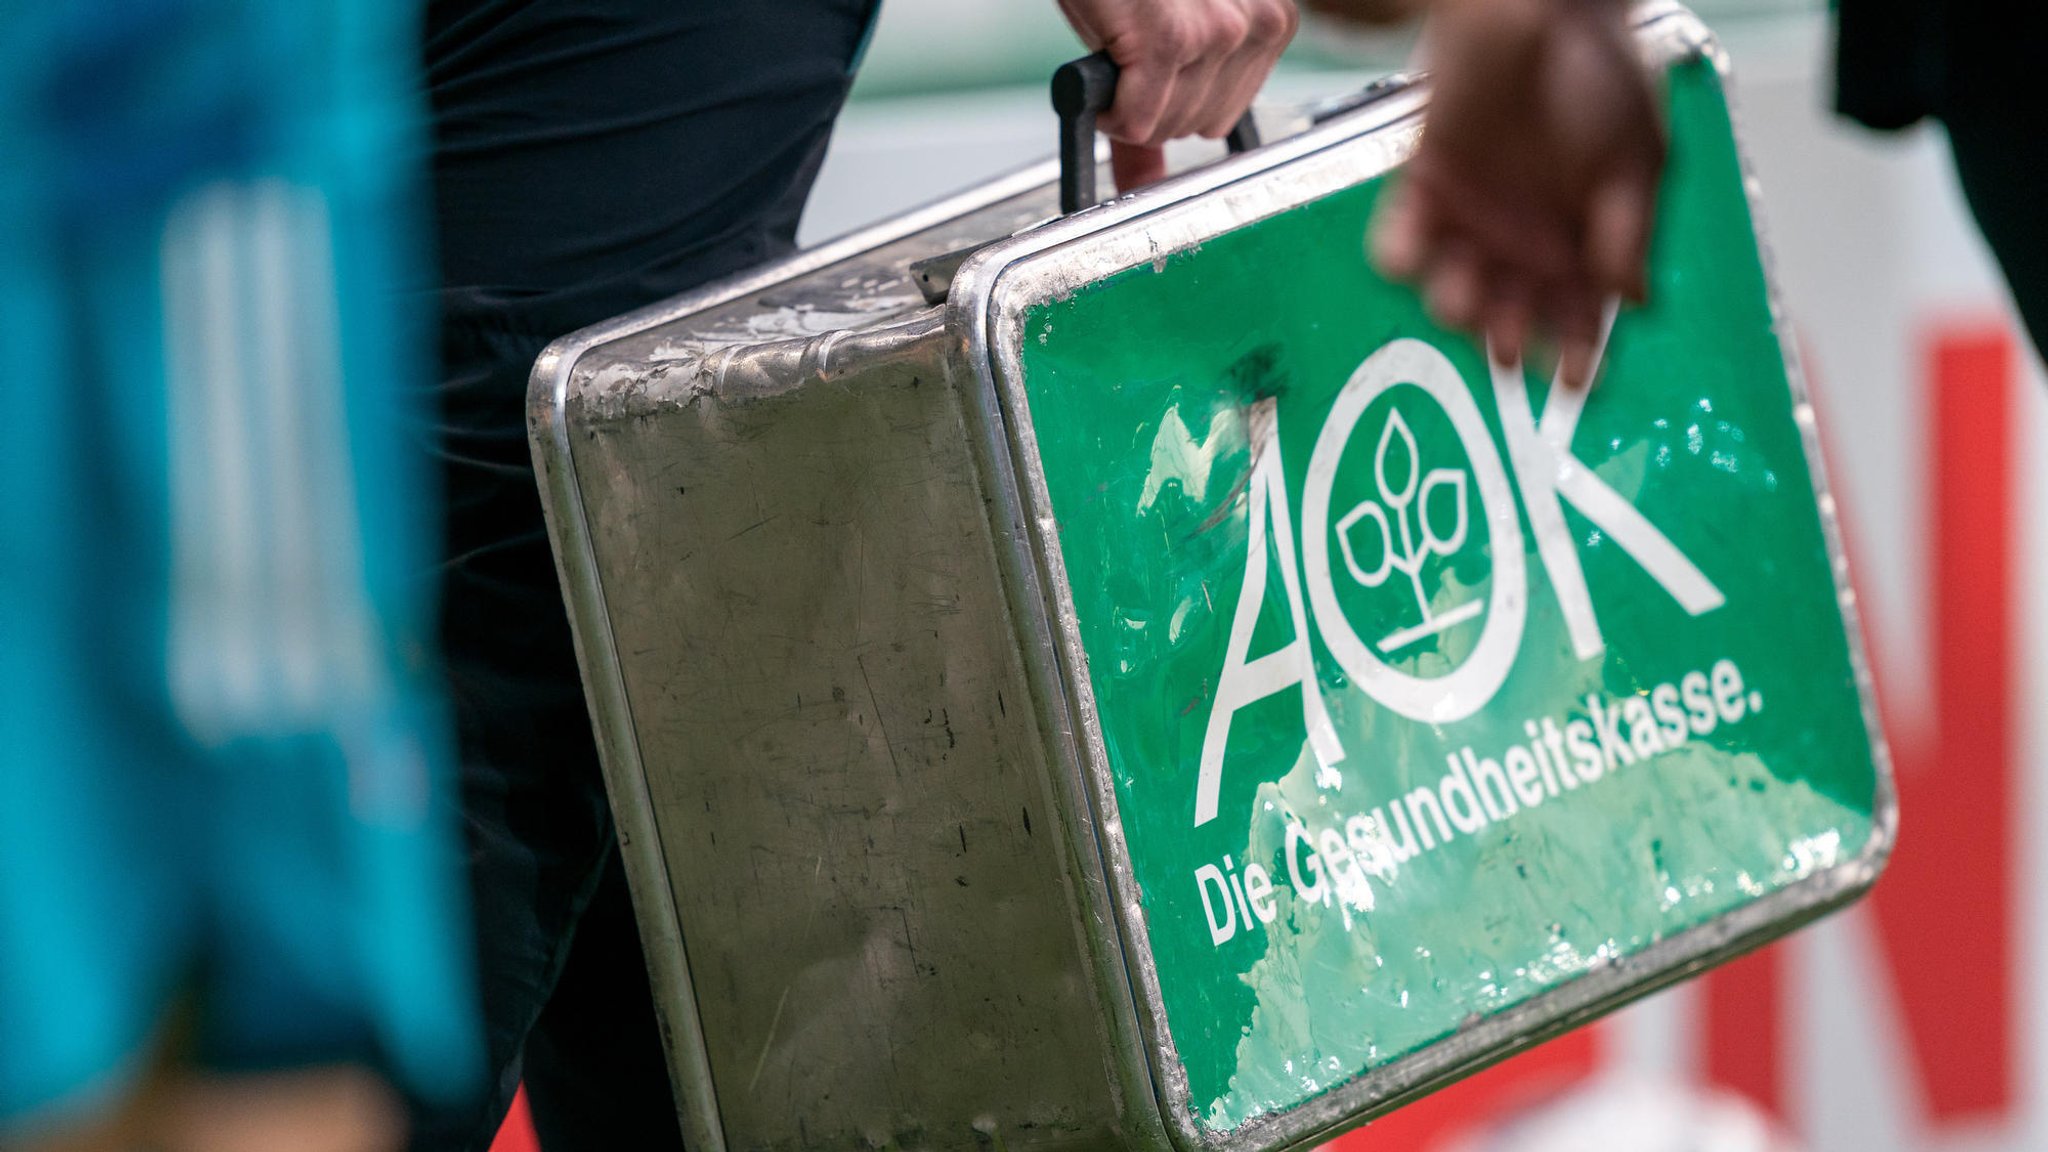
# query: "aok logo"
1420,517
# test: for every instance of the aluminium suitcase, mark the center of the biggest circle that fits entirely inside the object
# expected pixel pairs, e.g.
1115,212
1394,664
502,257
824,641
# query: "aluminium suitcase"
1126,679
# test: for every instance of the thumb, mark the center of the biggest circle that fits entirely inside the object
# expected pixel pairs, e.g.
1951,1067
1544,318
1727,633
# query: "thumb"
1136,165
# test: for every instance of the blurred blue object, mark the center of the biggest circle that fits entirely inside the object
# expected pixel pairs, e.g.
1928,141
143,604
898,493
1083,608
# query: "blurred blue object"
223,752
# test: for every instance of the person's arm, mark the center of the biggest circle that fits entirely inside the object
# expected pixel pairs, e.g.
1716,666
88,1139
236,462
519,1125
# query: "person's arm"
1529,201
1189,68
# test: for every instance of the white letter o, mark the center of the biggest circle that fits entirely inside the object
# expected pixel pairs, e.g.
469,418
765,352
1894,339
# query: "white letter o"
1441,699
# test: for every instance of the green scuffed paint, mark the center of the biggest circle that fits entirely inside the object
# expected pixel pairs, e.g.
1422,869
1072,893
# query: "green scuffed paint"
1143,391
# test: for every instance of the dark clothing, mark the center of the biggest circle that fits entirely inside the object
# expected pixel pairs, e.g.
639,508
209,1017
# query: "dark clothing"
2003,162
1891,60
590,157
1976,65
1898,61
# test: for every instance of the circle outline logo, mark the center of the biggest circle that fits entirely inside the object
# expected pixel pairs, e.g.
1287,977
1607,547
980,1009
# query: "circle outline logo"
1469,687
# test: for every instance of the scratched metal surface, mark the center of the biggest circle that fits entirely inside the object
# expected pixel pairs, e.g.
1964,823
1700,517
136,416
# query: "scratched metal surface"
789,332
852,800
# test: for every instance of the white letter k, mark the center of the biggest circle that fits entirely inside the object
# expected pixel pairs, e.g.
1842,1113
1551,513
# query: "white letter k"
1546,470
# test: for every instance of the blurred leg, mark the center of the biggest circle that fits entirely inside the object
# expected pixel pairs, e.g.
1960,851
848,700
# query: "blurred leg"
171,1109
321,1110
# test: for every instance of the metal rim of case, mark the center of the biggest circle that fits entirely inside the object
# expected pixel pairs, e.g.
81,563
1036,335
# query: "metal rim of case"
991,293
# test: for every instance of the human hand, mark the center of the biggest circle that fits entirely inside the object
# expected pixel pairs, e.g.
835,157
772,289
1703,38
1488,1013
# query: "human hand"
1530,198
1187,68
1373,13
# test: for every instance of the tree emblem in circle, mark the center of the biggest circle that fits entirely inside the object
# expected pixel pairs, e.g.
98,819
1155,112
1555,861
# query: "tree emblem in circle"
1410,536
1400,518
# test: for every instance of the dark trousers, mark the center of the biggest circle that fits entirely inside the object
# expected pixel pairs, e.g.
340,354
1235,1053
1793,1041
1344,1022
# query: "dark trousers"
590,157
2002,159
1976,67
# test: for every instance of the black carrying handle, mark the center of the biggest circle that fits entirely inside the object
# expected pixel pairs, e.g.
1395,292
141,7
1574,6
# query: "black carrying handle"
1082,90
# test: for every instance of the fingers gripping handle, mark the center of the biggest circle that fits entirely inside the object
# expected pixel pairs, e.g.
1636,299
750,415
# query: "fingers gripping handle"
1081,91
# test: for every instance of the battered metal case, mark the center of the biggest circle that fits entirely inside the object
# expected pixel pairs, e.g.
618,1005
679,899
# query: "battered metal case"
843,700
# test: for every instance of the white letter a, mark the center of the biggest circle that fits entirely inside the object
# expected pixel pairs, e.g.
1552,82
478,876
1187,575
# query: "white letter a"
1244,681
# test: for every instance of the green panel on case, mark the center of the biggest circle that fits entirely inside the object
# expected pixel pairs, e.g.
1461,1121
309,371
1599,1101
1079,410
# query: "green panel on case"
1510,697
